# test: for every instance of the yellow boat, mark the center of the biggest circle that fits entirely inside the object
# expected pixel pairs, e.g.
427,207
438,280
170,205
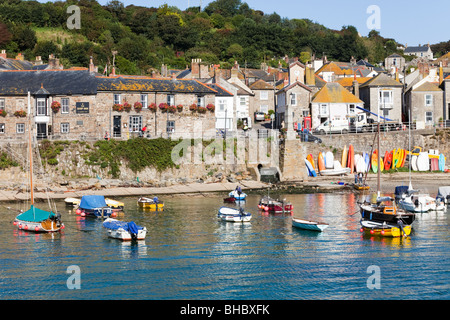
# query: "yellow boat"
376,229
152,204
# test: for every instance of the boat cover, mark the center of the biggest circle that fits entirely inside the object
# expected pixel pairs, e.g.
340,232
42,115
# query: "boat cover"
399,190
35,215
92,202
131,227
444,192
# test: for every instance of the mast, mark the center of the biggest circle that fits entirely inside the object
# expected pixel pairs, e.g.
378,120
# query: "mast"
30,150
379,165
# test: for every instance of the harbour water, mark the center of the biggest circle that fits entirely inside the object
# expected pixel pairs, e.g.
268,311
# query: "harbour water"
189,254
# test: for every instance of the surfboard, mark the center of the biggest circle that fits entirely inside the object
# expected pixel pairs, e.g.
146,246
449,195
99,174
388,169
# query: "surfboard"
320,162
311,170
351,156
311,160
324,158
381,164
344,157
441,162
435,164
414,163
423,162
366,161
374,161
403,159
329,160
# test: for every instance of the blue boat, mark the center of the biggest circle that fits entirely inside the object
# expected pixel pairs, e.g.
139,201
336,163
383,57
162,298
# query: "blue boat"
125,231
237,195
94,205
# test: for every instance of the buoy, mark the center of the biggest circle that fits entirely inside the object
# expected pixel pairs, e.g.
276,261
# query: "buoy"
266,208
20,226
82,214
113,215
372,232
36,229
78,211
362,230
382,232
15,223
63,226
26,227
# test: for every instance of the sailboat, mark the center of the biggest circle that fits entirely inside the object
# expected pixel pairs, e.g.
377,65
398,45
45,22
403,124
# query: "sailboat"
383,217
35,219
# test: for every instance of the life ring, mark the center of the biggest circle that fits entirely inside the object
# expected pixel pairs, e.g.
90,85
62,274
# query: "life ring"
389,210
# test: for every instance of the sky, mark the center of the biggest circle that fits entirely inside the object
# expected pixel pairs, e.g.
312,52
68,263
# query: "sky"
410,22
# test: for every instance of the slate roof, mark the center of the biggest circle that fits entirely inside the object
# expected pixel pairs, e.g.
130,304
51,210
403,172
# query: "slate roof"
333,92
381,80
56,82
220,91
417,49
14,64
296,83
146,84
428,86
260,85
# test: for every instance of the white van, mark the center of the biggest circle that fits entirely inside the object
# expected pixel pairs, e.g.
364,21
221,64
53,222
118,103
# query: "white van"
332,126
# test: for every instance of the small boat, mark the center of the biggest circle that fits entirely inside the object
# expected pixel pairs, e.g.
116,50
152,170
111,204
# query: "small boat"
309,225
275,206
238,195
72,201
94,205
233,215
385,229
229,200
113,204
125,231
152,204
38,220
360,187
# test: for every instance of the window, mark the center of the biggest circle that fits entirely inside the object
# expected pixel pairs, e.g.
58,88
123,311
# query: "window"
429,117
351,108
222,105
41,108
305,113
293,99
117,98
2,104
264,108
323,109
135,123
65,105
386,98
170,99
65,127
428,100
264,95
170,126
20,128
200,101
2,128
242,101
144,100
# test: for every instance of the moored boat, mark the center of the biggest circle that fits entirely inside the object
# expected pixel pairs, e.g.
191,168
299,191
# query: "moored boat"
237,194
125,231
38,220
233,215
309,225
94,205
275,206
151,203
113,204
384,229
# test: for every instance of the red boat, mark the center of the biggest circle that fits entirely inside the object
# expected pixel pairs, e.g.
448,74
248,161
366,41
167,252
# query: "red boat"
230,200
275,206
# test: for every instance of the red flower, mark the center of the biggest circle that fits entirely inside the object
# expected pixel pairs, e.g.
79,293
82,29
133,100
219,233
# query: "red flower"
55,106
210,107
152,106
137,106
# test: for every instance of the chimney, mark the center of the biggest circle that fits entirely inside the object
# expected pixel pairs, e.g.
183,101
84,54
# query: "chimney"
91,65
174,76
113,71
38,61
286,81
396,74
195,68
324,59
356,88
441,73
310,76
19,57
3,54
53,63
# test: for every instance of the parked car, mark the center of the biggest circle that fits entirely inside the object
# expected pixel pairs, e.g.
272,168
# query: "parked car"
308,137
259,116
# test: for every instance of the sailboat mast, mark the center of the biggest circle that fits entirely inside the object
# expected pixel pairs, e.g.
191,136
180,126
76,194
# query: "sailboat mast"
378,159
30,150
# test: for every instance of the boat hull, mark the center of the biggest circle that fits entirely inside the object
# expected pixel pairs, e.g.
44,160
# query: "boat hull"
48,225
96,212
124,235
370,213
384,230
233,215
152,206
309,225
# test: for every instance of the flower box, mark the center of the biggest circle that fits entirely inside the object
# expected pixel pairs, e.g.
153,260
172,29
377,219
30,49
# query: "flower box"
3,113
201,109
152,107
172,109
55,106
193,107
137,106
20,114
210,107
127,107
163,107
117,107
180,107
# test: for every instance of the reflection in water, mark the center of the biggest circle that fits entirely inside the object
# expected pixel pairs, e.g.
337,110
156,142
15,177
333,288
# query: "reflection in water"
189,254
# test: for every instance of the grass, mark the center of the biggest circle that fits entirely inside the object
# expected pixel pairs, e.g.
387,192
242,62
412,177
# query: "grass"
59,36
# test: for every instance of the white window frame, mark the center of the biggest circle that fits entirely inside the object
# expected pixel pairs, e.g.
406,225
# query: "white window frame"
264,108
65,103
428,100
323,109
293,99
135,123
351,109
2,128
222,105
170,126
200,101
65,127
144,100
264,95
2,104
386,98
242,101
171,99
429,117
117,98
20,128
41,107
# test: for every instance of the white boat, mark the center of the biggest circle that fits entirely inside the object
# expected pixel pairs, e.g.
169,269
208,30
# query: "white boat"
125,231
335,172
237,195
309,225
233,215
113,204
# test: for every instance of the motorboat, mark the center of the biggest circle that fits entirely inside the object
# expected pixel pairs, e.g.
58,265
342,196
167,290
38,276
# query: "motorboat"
113,204
94,205
233,214
275,206
309,225
385,229
237,194
151,203
125,231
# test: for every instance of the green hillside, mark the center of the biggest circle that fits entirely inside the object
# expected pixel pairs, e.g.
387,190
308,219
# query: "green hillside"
144,38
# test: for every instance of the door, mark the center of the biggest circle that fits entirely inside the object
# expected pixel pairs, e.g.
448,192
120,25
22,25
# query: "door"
117,126
41,130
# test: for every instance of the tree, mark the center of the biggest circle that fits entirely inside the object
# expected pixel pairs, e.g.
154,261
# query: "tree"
5,35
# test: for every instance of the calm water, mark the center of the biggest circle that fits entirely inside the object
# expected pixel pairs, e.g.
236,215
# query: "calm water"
188,254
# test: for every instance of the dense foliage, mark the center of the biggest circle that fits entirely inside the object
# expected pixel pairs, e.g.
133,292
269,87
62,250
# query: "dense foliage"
144,38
